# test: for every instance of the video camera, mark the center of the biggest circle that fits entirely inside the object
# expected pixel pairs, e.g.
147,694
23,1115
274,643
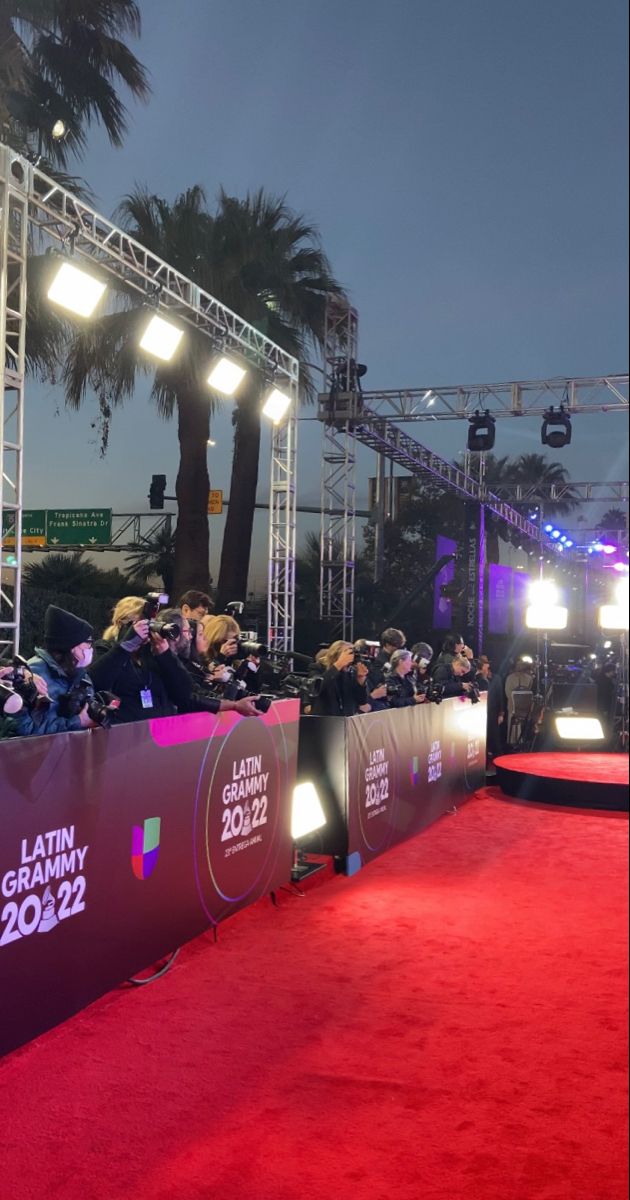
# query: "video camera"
18,692
99,706
169,630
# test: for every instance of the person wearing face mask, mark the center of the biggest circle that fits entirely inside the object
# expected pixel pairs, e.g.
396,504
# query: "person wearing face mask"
62,664
189,649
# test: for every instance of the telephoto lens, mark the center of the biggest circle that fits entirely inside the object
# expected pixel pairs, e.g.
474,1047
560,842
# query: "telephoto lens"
256,649
169,630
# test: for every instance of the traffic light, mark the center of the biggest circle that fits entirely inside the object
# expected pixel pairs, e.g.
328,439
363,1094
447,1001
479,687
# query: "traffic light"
156,491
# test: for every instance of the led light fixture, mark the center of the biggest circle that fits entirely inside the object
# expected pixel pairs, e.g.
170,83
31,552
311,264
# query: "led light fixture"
579,729
543,616
75,290
225,376
556,429
543,591
276,405
307,814
161,338
482,432
613,617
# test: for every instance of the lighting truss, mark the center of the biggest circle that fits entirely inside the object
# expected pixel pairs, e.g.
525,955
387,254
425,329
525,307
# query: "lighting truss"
37,211
605,393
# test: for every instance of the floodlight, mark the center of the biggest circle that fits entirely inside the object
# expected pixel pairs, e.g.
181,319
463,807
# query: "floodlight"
482,432
307,814
608,548
580,729
276,405
59,130
620,568
75,290
226,375
622,591
161,338
543,591
556,429
546,616
614,617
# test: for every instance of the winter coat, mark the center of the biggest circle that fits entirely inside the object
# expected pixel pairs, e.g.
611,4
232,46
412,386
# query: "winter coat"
46,719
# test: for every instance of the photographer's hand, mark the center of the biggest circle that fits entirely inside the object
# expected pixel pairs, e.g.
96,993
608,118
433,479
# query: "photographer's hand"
40,684
379,693
420,698
345,659
137,636
229,649
86,721
245,707
159,645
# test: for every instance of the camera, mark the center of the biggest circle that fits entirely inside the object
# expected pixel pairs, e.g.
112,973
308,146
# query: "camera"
152,605
255,649
169,630
100,706
18,692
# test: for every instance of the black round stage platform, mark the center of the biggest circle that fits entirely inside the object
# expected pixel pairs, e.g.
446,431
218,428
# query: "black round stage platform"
579,780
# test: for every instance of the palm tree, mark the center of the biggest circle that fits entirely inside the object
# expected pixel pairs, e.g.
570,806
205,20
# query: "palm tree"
272,270
60,60
73,575
154,557
612,521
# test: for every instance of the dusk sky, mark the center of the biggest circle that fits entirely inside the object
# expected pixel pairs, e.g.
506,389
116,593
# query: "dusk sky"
465,162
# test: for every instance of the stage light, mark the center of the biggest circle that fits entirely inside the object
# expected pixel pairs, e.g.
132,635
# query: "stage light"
620,567
161,338
527,658
563,539
59,130
607,645
225,376
622,591
580,729
569,543
555,533
548,528
307,814
556,429
75,290
482,432
276,405
543,591
428,399
613,617
608,549
546,617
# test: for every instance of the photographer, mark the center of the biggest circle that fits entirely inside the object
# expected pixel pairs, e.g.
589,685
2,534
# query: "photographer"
401,692
422,654
59,673
451,678
222,633
195,605
343,692
391,640
134,662
187,648
453,645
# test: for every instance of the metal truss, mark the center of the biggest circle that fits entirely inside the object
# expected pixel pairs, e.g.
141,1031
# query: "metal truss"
338,483
606,493
59,217
606,393
393,443
283,531
13,251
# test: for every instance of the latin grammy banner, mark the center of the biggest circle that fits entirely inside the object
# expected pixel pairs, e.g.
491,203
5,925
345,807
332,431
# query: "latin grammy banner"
385,776
120,845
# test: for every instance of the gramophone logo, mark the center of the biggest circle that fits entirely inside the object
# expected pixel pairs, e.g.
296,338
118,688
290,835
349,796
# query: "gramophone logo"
145,847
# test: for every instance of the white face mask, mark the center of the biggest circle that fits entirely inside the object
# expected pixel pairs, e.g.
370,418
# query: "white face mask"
83,658
223,676
252,666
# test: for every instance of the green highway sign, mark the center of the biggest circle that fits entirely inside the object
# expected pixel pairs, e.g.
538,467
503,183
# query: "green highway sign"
33,528
79,526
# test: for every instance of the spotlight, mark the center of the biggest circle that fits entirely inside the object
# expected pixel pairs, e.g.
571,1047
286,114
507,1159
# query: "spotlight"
621,568
555,533
622,592
276,405
75,290
428,399
59,130
543,591
548,528
608,549
613,617
226,376
542,616
569,543
580,729
481,432
161,338
563,538
556,429
307,814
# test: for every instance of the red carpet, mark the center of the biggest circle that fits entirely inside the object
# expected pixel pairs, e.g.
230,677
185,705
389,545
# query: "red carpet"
579,767
449,1024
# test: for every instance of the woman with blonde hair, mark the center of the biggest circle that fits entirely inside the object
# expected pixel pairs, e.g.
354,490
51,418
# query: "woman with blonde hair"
343,692
221,633
137,666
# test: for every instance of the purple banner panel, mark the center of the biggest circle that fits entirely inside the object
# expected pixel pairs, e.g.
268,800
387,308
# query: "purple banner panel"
443,608
499,598
119,845
521,583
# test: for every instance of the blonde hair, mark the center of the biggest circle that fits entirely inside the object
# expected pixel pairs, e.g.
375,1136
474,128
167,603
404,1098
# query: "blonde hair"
126,612
330,656
218,630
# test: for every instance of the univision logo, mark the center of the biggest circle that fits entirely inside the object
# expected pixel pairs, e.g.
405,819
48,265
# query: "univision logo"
145,847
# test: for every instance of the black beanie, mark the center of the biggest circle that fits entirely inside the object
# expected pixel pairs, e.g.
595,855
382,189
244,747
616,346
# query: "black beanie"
64,631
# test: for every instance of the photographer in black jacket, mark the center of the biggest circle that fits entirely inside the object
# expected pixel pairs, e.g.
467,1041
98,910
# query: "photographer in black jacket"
343,692
401,692
187,649
391,640
136,664
455,678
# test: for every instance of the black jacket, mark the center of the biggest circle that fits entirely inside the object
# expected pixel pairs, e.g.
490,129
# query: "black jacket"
341,695
160,677
452,684
201,697
404,694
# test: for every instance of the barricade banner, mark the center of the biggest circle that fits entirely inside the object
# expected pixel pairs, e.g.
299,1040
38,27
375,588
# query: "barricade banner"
119,845
409,766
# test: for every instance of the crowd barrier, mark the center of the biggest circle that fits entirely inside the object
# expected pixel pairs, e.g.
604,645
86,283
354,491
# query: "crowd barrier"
384,776
119,845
